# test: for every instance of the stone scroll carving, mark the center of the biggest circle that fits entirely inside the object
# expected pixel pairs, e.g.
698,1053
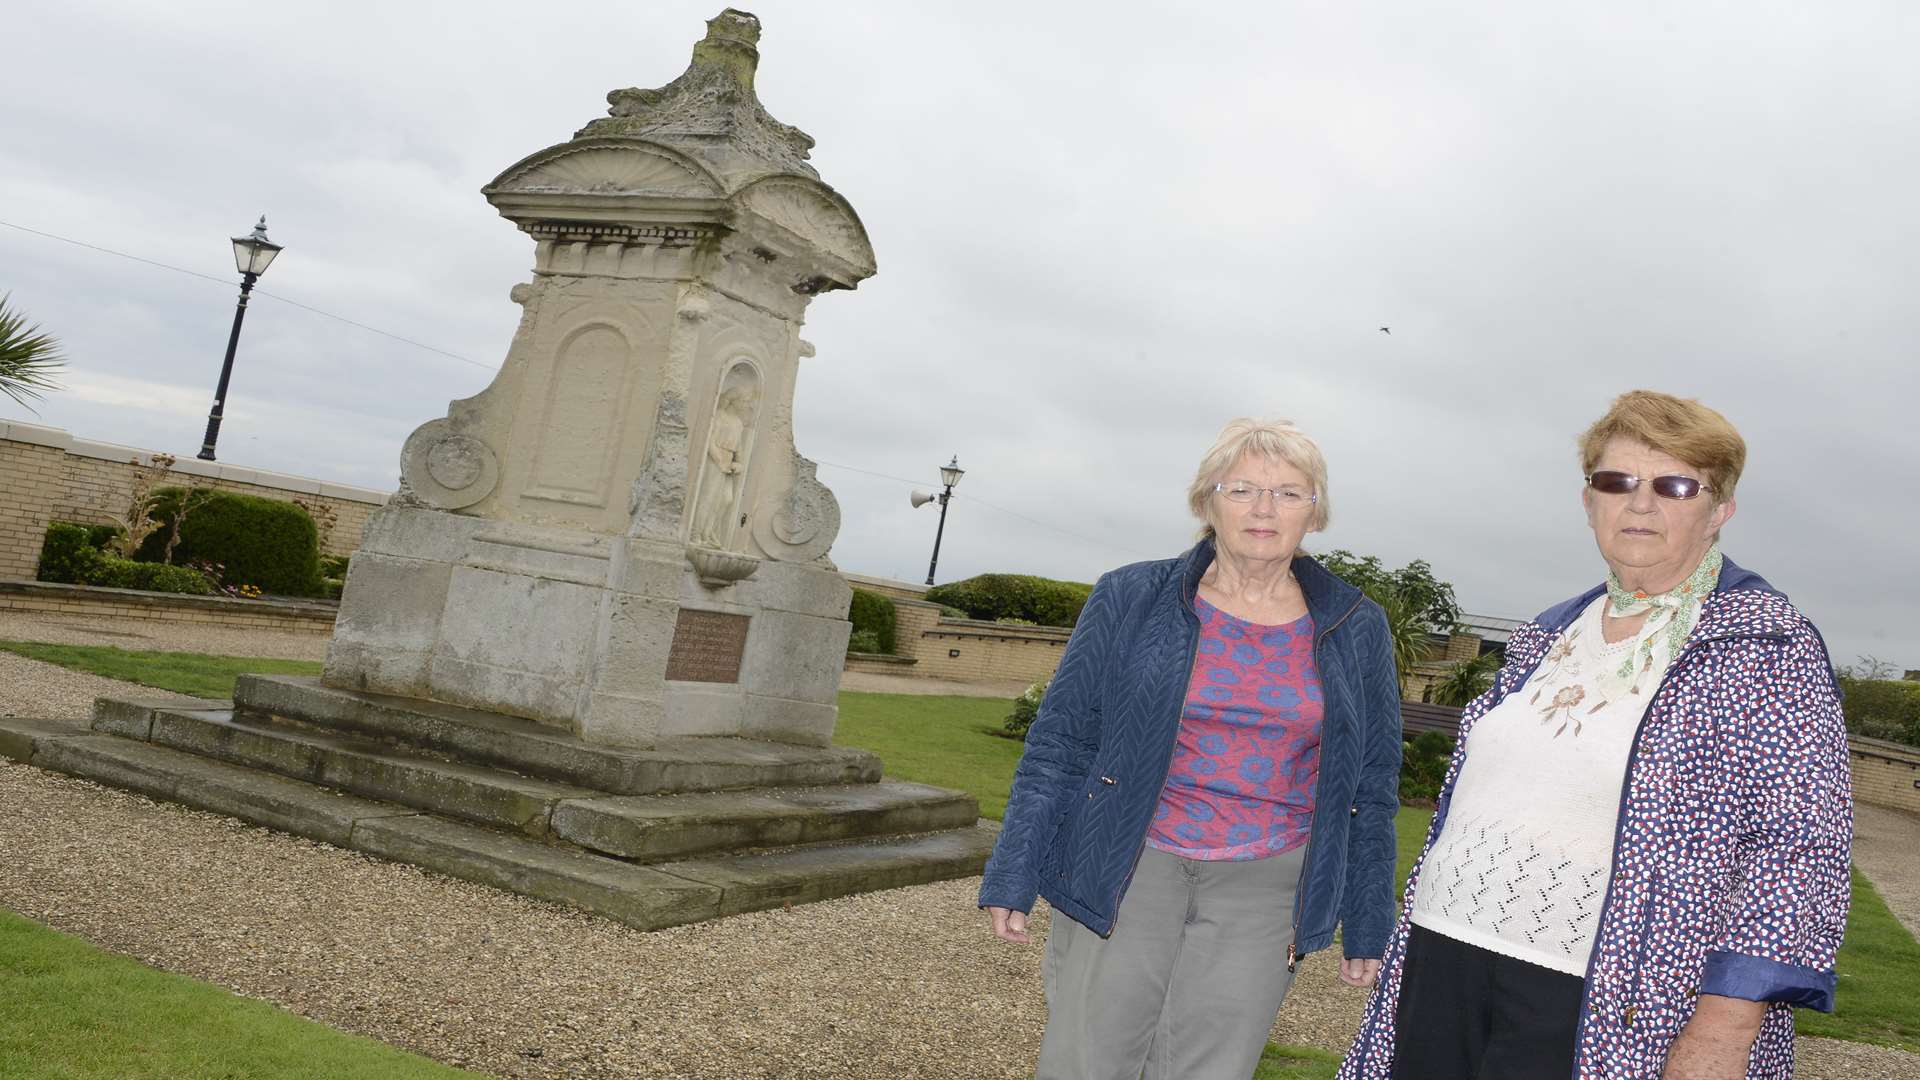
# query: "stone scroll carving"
808,212
606,167
800,523
445,469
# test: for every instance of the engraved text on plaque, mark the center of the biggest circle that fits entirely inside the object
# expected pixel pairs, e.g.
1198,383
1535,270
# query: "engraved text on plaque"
707,646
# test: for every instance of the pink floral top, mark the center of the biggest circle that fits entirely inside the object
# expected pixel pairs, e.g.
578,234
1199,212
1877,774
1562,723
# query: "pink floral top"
1248,751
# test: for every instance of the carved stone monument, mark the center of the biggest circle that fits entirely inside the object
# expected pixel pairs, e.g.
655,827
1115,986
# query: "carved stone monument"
606,556
617,536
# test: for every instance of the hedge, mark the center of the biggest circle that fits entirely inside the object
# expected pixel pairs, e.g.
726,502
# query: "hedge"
68,556
1882,708
267,543
872,615
1041,601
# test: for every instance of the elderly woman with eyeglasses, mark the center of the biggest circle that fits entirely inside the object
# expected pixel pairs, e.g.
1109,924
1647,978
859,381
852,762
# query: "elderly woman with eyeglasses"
1210,785
1639,861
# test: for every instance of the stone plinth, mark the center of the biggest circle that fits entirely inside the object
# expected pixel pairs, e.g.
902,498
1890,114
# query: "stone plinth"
633,462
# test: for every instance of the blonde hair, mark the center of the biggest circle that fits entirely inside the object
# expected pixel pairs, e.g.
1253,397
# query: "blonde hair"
1680,427
1275,440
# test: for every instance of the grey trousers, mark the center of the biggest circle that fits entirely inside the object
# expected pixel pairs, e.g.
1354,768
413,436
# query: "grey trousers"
1188,985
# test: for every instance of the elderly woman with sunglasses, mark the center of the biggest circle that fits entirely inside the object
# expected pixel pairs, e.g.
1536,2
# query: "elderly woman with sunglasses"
1639,861
1209,786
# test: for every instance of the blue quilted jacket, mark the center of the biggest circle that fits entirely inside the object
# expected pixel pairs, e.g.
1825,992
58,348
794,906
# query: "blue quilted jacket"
1098,754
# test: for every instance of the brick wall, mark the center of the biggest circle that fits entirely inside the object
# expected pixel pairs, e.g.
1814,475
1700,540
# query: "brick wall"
48,475
1885,773
32,480
968,650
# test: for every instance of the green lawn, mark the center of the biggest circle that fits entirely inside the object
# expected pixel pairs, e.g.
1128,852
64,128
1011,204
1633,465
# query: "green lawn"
945,741
1296,1063
69,1011
1879,966
935,740
183,673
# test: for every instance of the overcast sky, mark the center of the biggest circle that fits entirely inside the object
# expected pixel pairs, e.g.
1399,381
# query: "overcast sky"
1103,229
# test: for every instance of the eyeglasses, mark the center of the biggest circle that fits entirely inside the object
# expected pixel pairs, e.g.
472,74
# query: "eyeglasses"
1667,487
1285,498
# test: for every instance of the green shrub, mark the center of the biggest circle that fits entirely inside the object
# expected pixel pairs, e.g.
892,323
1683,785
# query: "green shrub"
948,611
1423,766
67,555
69,558
1040,601
103,536
863,641
1879,708
1466,680
334,566
873,614
118,573
267,543
1025,708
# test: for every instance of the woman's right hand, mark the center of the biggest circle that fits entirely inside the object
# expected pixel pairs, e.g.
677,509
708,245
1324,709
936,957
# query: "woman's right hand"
1010,925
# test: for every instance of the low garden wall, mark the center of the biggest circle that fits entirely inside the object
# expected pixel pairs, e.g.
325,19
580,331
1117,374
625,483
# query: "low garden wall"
47,475
88,601
898,590
928,645
1885,773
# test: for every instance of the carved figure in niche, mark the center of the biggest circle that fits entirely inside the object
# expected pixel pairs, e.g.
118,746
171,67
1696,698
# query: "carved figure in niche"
729,443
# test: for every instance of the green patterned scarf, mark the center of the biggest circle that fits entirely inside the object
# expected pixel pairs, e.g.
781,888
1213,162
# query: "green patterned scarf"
1673,614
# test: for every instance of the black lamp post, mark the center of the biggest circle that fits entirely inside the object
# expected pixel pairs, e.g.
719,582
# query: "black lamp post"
950,474
252,253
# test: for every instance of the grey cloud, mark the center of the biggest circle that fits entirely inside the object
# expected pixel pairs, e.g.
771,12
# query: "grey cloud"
1102,230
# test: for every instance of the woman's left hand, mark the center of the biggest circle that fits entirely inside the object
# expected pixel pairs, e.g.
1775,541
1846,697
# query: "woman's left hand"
1359,973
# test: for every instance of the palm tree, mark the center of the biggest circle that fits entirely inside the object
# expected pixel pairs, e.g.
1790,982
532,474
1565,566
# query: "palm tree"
1407,629
1466,680
28,358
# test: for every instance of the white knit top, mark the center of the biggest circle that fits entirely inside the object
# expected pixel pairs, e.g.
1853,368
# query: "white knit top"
1521,865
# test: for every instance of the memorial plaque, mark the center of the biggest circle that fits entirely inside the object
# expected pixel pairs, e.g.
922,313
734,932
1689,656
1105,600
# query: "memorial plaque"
707,646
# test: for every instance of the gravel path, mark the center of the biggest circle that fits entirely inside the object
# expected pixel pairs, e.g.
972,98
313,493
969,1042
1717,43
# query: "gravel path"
1884,841
901,984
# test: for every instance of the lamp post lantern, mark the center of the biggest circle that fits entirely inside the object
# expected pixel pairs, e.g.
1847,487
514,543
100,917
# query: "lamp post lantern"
252,254
950,474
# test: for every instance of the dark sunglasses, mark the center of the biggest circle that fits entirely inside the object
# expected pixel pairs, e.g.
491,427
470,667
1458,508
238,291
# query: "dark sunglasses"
1667,487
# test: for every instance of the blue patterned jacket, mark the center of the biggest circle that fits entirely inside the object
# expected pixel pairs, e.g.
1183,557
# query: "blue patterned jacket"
1730,861
1099,751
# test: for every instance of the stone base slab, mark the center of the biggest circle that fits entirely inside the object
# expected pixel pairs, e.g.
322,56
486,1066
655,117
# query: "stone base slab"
663,894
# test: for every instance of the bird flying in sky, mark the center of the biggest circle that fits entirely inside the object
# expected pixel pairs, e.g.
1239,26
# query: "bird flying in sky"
1387,330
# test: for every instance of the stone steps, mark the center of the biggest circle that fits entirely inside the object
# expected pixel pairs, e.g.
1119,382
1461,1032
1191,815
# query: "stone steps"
537,750
650,828
658,895
362,767
639,828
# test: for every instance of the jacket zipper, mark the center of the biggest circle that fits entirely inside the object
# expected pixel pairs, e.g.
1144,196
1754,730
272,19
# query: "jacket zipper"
1306,857
1193,661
